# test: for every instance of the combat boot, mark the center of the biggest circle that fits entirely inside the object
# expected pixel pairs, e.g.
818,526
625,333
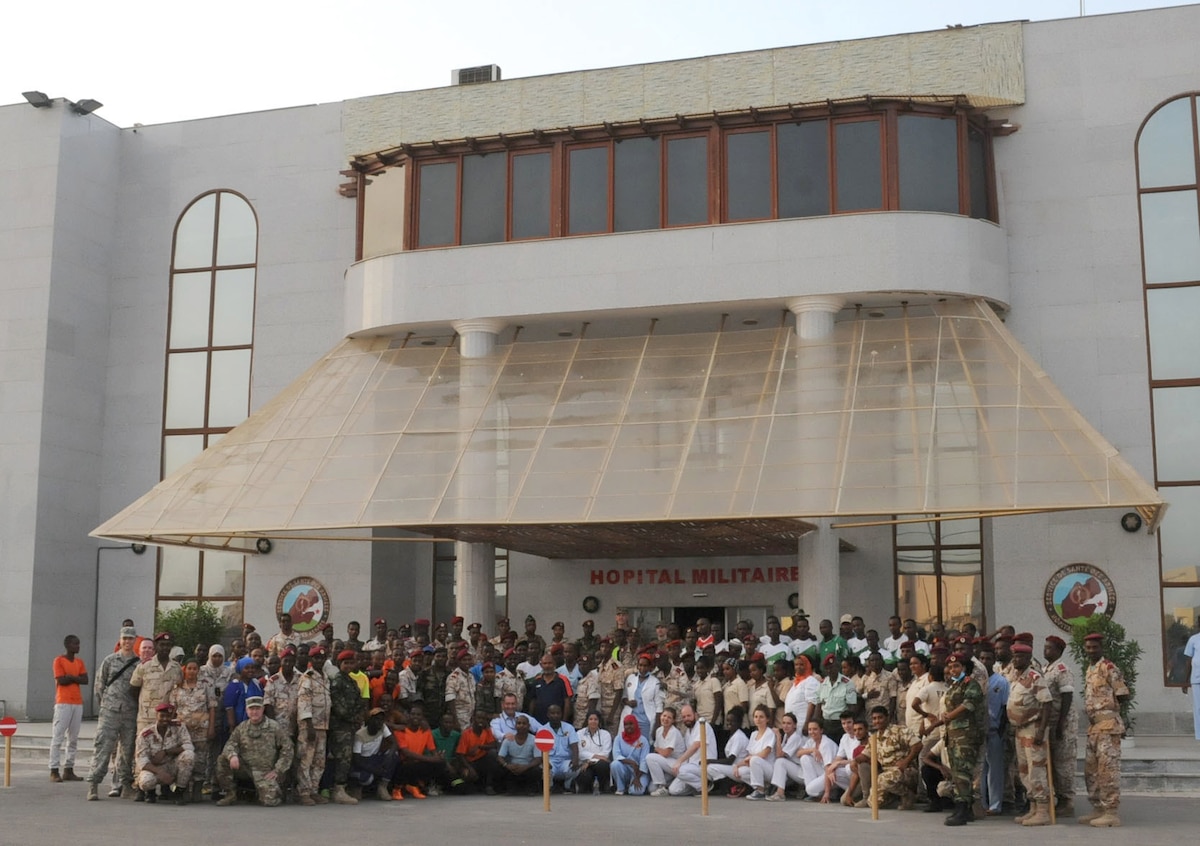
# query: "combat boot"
961,815
93,793
382,792
1065,808
228,799
1108,819
1094,815
69,775
341,797
54,776
126,791
1039,814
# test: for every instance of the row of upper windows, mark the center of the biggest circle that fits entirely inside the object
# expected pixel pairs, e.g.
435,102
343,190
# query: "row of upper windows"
881,159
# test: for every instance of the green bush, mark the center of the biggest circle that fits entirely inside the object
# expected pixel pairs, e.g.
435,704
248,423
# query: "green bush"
1124,653
190,624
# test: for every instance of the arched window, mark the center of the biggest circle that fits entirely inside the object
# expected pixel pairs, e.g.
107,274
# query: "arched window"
1168,166
210,336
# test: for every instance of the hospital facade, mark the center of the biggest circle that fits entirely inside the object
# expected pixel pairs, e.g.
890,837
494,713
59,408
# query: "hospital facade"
903,325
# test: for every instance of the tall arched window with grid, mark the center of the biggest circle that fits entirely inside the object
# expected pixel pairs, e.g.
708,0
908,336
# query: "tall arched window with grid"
210,336
1168,165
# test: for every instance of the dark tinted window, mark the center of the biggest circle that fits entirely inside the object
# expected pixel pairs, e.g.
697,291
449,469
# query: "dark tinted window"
977,172
859,167
531,195
483,198
636,185
803,168
439,189
588,193
928,163
748,175
687,181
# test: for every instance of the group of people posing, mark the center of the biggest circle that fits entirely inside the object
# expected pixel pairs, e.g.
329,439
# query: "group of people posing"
960,721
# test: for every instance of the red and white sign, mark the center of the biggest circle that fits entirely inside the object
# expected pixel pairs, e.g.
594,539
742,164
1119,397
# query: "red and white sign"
8,727
543,740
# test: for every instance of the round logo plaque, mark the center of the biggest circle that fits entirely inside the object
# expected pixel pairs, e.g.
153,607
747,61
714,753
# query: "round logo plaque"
306,600
1076,593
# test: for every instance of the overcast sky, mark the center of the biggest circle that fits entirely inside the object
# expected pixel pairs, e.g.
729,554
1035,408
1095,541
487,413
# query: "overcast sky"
153,62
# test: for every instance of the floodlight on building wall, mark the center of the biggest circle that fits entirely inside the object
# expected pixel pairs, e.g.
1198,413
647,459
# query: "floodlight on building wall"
37,99
85,106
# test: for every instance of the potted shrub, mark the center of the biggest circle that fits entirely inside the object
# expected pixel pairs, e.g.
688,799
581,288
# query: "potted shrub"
1122,652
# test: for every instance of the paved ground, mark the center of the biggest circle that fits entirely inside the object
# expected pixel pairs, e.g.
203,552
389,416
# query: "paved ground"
34,811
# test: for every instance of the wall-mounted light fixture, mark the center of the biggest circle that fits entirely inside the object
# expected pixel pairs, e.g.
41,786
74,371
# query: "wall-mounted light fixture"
85,106
37,99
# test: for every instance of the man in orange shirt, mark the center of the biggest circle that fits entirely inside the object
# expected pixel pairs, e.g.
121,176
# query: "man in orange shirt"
476,754
69,674
419,761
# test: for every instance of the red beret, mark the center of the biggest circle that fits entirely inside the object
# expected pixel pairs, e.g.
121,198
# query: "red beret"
421,622
456,620
673,643
508,653
488,665
830,659
286,651
380,621
1057,641
958,658
1022,648
316,650
345,654
556,648
1095,636
461,654
162,636
1023,637
164,706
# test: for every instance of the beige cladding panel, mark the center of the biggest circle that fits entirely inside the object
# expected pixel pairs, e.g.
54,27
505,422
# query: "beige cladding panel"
983,62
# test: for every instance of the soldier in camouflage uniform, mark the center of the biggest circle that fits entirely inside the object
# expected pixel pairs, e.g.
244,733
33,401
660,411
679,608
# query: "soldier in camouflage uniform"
312,719
586,692
1104,689
431,684
346,707
879,687
280,694
1028,714
155,679
460,691
165,756
612,687
674,677
117,725
963,712
509,680
257,750
897,751
1064,724
488,692
196,709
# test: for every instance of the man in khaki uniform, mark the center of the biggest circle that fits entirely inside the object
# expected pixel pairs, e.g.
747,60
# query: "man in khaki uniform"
312,719
1028,714
165,756
1064,724
1103,691
155,679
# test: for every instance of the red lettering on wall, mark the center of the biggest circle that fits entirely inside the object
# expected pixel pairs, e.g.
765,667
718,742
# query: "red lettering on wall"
794,574
699,577
628,575
597,577
758,575
613,576
780,574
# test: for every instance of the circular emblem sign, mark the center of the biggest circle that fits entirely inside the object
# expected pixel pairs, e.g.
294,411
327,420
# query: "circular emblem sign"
1078,592
306,600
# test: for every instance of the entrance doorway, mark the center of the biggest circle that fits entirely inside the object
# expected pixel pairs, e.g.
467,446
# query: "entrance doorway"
686,616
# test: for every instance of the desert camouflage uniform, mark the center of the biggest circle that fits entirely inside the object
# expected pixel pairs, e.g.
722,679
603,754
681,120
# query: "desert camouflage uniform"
460,696
587,690
117,725
612,686
1103,683
156,682
280,641
513,683
261,749
1027,694
312,703
879,689
963,733
678,687
192,710
1060,680
150,743
407,682
281,695
894,743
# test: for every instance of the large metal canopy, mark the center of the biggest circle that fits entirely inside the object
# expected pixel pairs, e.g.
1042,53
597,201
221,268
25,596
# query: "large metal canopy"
687,444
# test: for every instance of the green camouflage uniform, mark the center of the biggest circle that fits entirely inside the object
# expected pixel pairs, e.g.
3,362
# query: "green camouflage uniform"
963,733
261,749
345,716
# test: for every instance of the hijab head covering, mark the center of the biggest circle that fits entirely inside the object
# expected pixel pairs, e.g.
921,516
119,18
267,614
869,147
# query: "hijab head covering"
805,668
631,732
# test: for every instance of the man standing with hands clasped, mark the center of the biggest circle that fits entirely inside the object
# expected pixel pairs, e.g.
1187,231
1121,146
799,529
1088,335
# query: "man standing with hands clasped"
1029,713
69,674
1104,690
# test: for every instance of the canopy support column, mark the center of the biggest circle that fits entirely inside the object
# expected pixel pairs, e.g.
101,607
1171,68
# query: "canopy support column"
475,563
819,587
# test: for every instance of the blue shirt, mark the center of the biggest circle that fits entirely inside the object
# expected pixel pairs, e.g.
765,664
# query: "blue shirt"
997,700
235,697
512,752
564,736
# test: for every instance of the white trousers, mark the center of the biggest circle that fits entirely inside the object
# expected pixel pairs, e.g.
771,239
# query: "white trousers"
67,719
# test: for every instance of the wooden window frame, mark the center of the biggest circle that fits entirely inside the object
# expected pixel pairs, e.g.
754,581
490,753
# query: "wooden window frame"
938,548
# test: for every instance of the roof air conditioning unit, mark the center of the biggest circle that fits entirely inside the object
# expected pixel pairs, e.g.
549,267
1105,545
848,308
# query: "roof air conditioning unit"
474,76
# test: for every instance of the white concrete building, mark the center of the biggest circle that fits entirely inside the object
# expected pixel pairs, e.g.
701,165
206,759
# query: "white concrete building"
574,306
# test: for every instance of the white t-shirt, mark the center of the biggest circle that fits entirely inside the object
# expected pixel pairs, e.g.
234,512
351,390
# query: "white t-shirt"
799,697
367,744
672,739
1192,650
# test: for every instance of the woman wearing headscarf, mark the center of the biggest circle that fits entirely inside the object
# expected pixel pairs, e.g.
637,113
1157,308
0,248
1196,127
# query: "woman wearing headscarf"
629,758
